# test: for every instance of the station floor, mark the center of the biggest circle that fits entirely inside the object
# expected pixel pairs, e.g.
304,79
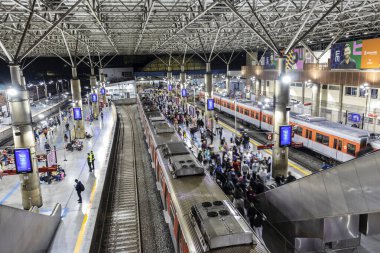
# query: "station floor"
75,231
297,170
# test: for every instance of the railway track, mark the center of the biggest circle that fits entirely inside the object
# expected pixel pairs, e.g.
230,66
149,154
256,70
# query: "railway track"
121,231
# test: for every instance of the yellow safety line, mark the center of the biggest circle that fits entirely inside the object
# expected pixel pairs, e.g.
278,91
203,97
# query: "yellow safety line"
79,242
266,150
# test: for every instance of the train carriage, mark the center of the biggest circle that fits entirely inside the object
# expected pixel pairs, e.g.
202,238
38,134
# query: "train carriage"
330,139
198,213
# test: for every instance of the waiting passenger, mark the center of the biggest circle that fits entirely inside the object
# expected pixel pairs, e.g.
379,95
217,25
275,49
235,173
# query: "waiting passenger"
290,178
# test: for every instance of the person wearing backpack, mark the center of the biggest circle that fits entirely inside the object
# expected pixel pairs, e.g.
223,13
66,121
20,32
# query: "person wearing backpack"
79,187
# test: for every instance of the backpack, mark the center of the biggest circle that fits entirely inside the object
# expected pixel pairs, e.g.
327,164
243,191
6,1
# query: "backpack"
82,187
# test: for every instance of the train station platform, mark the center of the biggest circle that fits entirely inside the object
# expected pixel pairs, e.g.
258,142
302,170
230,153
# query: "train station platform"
296,169
75,231
44,108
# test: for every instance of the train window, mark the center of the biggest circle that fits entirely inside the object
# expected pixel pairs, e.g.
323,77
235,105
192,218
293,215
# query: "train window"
264,118
335,144
228,105
298,130
363,143
269,120
309,134
322,139
351,149
237,108
257,117
246,112
252,114
339,145
172,213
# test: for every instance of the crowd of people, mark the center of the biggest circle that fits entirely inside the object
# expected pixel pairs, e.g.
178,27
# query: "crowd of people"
241,171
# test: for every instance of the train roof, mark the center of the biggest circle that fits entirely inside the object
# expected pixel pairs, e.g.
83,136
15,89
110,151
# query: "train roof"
320,123
189,191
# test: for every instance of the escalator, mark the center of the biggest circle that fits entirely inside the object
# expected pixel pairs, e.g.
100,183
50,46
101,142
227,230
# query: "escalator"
328,211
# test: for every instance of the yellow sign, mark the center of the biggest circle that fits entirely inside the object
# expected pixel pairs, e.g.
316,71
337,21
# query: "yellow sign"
371,54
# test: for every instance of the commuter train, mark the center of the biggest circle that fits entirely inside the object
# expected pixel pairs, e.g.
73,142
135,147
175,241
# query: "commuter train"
199,215
330,139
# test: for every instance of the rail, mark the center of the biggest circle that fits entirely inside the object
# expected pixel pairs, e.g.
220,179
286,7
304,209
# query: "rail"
121,227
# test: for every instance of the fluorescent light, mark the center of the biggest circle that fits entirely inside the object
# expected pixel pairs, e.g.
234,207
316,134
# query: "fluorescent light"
286,79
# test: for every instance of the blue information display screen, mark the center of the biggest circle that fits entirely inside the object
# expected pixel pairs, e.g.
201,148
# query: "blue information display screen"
23,160
103,91
94,98
77,113
354,117
184,93
285,136
210,104
170,88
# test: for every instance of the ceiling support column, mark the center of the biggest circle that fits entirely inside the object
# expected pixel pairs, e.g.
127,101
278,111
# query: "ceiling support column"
23,137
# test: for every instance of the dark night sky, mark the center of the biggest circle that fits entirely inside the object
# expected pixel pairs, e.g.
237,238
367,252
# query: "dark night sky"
51,68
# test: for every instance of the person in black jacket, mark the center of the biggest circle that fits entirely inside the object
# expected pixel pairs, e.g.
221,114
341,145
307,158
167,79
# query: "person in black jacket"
79,187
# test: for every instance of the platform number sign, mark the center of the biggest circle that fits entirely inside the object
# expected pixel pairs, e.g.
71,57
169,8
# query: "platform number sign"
23,160
170,87
77,113
184,93
285,136
210,104
103,91
94,98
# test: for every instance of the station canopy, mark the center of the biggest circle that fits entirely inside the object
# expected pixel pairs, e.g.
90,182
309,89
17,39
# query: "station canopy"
135,27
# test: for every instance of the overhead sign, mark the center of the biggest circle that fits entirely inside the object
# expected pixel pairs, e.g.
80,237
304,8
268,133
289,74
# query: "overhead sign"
285,136
170,87
346,55
210,104
371,54
77,113
94,97
354,117
23,160
184,93
103,91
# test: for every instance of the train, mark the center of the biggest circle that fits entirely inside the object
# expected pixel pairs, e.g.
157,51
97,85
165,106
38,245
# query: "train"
330,139
200,216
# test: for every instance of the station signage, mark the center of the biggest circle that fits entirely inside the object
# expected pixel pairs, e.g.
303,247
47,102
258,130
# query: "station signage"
170,87
210,104
285,136
354,117
103,91
184,93
77,113
94,98
23,160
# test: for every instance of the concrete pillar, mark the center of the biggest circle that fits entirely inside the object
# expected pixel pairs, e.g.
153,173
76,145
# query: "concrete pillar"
102,83
45,90
77,103
23,137
265,88
23,81
258,88
316,94
340,112
281,117
94,90
228,80
303,93
209,115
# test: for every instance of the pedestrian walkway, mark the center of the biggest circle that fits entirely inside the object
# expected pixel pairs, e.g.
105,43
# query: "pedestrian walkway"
75,231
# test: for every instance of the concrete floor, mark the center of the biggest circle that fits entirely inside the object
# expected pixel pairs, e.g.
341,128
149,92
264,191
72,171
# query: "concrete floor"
75,231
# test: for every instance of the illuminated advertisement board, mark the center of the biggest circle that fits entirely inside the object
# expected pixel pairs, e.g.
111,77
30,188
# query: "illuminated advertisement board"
170,87
103,91
210,104
371,54
184,93
77,113
94,98
285,136
346,55
23,160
